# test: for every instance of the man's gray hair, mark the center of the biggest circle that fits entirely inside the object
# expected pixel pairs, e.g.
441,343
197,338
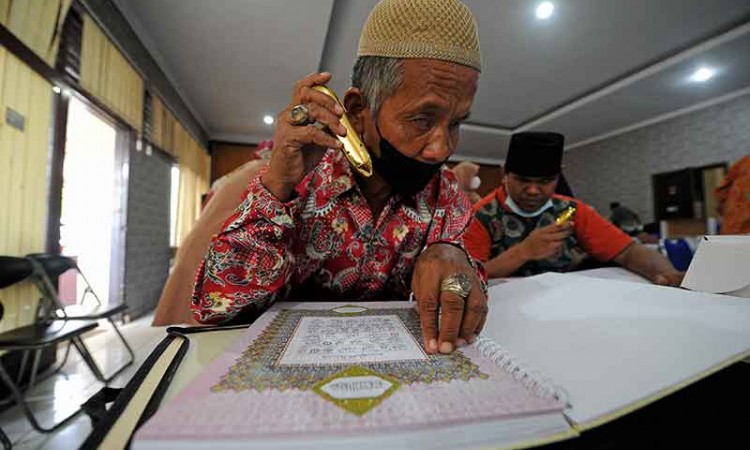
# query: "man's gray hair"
378,77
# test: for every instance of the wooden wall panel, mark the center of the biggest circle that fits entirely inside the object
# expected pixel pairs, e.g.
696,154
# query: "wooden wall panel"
712,179
36,23
490,176
163,125
23,177
680,228
227,157
194,165
108,76
4,9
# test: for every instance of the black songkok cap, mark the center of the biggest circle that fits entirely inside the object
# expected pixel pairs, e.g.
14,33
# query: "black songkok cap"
535,154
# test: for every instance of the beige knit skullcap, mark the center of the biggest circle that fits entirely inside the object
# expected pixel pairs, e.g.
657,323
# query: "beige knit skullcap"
434,29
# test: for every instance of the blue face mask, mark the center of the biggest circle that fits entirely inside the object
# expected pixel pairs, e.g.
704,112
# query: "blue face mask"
406,176
516,209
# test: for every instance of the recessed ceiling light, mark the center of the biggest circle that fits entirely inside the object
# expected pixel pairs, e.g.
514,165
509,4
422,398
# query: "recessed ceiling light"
544,10
702,74
56,89
268,119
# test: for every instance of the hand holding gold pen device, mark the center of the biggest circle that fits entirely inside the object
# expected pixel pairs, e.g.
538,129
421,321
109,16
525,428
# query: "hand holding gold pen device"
565,215
548,241
354,148
298,147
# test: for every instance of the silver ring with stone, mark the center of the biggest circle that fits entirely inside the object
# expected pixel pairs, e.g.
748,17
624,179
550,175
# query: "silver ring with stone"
458,284
300,115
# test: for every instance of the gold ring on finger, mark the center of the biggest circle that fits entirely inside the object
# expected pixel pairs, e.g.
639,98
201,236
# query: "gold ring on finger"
458,284
300,115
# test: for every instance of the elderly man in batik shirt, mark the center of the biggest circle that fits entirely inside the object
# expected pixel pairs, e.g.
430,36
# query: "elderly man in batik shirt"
311,228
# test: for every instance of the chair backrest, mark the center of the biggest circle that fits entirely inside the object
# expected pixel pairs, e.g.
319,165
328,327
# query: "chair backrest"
53,265
48,267
14,269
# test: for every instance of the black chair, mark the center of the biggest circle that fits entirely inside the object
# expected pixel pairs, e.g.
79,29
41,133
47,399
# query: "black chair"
45,332
48,267
7,445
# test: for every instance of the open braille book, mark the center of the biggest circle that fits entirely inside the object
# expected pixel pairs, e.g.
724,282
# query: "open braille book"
354,375
335,375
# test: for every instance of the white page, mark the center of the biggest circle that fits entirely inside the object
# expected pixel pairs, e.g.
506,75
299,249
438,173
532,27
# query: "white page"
720,265
613,273
611,343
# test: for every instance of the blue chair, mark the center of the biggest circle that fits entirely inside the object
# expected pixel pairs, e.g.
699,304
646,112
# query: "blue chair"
679,253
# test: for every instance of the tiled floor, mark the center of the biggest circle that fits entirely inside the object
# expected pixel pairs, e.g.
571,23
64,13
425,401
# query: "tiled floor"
58,396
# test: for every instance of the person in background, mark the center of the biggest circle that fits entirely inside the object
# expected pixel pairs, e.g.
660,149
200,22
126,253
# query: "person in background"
467,175
515,234
312,228
221,201
625,219
628,221
733,197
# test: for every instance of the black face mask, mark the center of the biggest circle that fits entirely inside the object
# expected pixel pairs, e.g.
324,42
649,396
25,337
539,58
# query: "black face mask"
407,176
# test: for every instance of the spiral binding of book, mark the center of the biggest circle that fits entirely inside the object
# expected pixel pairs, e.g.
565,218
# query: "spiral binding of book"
532,379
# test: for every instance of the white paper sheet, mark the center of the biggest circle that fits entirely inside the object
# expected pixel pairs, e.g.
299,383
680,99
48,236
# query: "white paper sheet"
721,265
610,343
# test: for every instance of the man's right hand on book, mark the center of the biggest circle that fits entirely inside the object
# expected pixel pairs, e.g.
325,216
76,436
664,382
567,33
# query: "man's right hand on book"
299,147
448,321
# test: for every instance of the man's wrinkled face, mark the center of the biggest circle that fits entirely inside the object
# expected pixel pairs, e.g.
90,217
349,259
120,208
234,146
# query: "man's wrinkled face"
530,193
422,117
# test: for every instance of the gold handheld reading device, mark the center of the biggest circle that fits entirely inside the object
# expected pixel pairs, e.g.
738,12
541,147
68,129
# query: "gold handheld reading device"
354,148
566,215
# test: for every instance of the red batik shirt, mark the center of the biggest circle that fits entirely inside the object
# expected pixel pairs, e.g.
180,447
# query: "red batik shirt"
324,244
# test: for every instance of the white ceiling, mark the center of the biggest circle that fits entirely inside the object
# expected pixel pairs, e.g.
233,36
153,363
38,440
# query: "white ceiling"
595,67
233,61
